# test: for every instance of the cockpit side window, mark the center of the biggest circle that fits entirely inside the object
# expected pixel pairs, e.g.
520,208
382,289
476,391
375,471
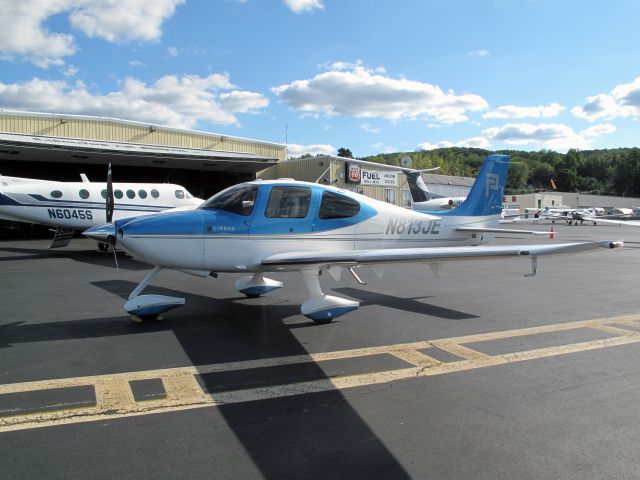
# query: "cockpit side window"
288,202
239,200
334,205
179,194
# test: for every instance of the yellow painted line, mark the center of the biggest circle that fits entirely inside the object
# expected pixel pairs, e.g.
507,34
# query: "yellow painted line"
614,330
459,350
416,358
114,398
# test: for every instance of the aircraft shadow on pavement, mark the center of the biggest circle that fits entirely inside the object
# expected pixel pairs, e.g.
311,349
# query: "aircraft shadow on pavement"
411,304
315,435
93,257
311,435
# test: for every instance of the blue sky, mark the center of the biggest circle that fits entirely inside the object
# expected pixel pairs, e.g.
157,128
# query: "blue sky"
374,76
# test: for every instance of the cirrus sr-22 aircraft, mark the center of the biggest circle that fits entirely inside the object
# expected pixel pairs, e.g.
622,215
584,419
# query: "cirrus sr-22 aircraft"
71,206
285,225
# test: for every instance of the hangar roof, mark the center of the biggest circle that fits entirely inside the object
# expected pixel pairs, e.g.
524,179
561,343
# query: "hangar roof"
433,179
33,136
60,149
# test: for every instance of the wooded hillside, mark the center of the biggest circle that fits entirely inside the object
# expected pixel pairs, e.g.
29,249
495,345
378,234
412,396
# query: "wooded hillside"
611,172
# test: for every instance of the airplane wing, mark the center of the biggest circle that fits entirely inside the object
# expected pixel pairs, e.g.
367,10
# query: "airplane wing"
425,255
630,223
500,230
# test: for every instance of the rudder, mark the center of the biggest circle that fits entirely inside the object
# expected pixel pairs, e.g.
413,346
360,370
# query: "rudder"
485,197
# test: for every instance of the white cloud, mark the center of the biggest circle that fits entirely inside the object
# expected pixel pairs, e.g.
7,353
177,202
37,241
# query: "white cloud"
598,130
623,101
118,21
243,102
180,102
514,111
23,35
384,148
172,51
434,146
369,128
479,53
296,150
137,63
555,136
549,135
351,89
70,71
474,142
299,6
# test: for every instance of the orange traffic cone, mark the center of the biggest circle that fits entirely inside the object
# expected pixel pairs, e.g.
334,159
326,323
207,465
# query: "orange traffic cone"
551,234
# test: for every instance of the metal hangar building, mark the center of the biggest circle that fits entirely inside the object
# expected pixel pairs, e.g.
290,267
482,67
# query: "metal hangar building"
375,181
60,147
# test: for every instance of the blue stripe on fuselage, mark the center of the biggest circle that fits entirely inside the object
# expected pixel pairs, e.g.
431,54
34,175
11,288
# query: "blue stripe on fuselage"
219,222
7,200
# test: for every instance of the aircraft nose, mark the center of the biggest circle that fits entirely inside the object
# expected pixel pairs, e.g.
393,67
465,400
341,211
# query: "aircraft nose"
100,233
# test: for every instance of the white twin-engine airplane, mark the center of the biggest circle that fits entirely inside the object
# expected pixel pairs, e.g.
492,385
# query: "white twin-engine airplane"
70,206
286,225
423,199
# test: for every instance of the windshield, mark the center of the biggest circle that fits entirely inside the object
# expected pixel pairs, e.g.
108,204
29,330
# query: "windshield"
239,199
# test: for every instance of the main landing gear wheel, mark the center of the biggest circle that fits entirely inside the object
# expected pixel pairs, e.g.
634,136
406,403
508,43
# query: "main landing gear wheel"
103,247
146,318
322,321
321,308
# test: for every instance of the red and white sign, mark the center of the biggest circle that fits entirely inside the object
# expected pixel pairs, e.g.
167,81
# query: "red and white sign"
353,173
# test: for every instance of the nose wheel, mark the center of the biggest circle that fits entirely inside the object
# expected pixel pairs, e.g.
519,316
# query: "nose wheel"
149,307
257,285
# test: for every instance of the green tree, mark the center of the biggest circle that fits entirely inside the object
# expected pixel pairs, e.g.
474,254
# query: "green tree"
626,176
541,175
518,175
345,153
567,172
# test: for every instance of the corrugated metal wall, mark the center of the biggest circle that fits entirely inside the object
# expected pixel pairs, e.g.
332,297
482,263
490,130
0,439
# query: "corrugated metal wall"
121,131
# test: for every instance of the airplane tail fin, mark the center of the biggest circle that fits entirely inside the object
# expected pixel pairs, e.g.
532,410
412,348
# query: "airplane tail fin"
419,191
485,197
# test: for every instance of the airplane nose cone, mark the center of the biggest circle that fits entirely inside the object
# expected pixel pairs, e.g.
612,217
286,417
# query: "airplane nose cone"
101,233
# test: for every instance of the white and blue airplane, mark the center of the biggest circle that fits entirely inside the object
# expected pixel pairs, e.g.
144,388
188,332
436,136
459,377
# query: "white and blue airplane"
285,225
71,206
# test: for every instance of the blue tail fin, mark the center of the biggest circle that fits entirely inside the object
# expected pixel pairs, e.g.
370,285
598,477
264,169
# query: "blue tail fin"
485,197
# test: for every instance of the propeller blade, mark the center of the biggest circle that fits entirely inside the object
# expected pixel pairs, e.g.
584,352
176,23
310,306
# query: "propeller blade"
110,203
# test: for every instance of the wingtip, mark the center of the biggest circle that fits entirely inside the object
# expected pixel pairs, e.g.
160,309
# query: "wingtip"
616,244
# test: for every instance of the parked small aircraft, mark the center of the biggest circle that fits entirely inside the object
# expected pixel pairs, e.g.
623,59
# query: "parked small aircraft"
421,197
286,225
70,206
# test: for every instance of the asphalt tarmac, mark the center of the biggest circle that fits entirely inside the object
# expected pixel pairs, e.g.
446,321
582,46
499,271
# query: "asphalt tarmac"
479,372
